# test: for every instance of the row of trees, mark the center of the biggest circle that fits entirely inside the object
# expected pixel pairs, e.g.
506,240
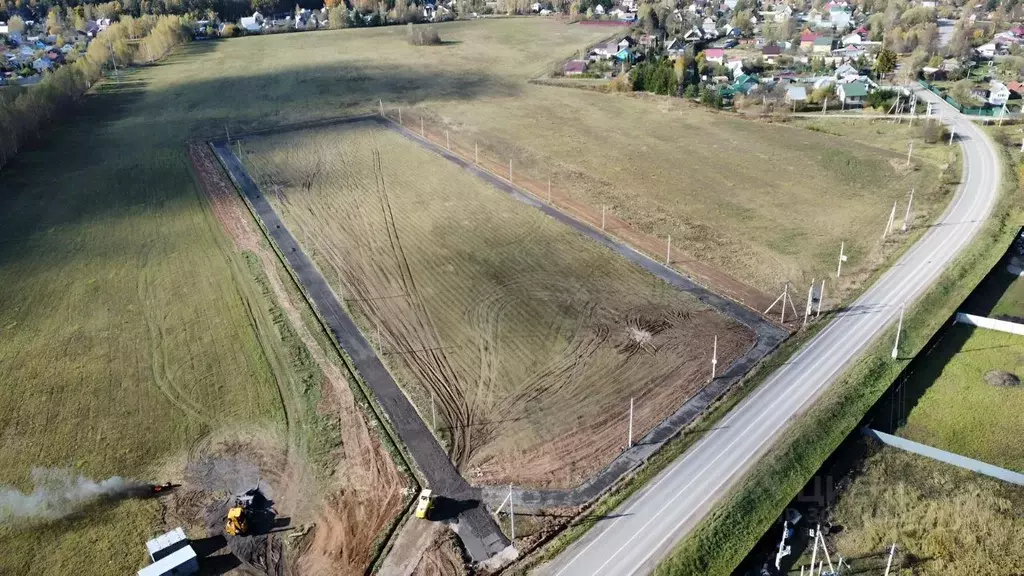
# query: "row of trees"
26,112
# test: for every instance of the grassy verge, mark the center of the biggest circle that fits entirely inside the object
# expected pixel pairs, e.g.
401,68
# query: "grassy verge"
725,536
973,522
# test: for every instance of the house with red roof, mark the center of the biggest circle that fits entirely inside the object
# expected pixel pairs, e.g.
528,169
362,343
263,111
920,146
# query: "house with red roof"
716,55
807,39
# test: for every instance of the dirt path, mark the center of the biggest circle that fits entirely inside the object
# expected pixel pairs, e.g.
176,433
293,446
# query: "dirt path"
367,488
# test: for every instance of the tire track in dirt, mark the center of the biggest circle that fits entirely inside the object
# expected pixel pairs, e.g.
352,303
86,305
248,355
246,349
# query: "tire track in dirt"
445,380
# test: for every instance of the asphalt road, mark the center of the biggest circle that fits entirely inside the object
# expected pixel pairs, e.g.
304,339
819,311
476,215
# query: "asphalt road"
638,534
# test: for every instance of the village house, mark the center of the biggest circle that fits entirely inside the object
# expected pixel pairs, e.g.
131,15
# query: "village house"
822,45
796,94
771,53
807,39
575,67
998,93
852,93
716,55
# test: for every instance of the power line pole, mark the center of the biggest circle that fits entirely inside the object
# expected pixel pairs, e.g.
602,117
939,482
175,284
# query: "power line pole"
399,115
824,106
906,217
549,189
714,358
447,140
511,514
810,302
783,549
509,169
381,102
422,131
899,329
892,217
952,132
433,414
814,553
910,153
821,297
892,552
603,208
842,258
630,436
668,252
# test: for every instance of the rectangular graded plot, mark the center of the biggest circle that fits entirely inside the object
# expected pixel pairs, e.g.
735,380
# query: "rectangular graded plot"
529,338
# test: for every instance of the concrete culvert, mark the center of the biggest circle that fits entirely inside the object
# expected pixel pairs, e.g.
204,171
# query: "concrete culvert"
1002,379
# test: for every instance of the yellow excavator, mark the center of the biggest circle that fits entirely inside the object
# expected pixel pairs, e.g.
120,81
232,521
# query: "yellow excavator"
237,523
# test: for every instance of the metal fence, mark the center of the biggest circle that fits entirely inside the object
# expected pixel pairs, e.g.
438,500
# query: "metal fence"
947,457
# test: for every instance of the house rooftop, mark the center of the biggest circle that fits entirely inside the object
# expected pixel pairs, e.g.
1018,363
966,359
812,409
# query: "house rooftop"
823,41
855,89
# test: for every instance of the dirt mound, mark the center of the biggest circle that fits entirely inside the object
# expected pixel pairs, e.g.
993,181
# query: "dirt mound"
1002,379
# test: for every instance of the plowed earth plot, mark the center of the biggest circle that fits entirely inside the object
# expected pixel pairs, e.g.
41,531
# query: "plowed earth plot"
530,338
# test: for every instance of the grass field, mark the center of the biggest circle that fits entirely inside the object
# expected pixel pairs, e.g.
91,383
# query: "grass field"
960,411
765,203
944,520
531,337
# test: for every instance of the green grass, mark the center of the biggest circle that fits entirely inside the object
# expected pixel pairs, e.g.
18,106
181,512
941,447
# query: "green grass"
1011,304
726,535
944,520
961,412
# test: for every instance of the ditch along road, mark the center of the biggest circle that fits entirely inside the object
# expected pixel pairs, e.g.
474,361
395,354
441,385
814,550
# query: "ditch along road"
644,529
478,531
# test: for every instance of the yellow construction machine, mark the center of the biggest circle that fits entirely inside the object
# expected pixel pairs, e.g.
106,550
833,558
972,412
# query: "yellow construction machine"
238,515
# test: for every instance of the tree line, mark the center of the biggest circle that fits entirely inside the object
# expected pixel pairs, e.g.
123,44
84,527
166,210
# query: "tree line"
26,112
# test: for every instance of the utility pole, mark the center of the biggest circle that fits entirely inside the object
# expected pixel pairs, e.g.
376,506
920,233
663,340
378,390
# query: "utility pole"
603,207
381,102
238,146
714,358
422,131
824,106
549,189
810,302
668,252
952,132
447,140
906,217
910,153
509,169
785,295
892,552
399,115
899,329
892,217
783,549
821,297
511,514
814,553
842,258
433,414
227,135
630,436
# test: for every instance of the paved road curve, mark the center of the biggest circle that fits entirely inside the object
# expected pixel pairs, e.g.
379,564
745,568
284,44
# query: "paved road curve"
642,531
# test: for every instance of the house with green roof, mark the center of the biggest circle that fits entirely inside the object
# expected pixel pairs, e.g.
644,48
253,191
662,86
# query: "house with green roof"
823,45
852,93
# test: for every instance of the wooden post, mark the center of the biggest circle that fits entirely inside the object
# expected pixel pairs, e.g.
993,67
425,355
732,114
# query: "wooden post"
668,252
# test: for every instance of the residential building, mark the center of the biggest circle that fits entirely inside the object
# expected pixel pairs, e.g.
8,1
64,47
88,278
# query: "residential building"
998,93
675,48
796,94
252,23
807,39
852,93
822,45
709,27
987,50
575,67
716,55
771,53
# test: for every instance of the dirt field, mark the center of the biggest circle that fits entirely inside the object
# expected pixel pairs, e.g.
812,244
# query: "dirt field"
530,338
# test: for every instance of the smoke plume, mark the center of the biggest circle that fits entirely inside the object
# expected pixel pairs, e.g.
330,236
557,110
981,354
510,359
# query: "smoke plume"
59,492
